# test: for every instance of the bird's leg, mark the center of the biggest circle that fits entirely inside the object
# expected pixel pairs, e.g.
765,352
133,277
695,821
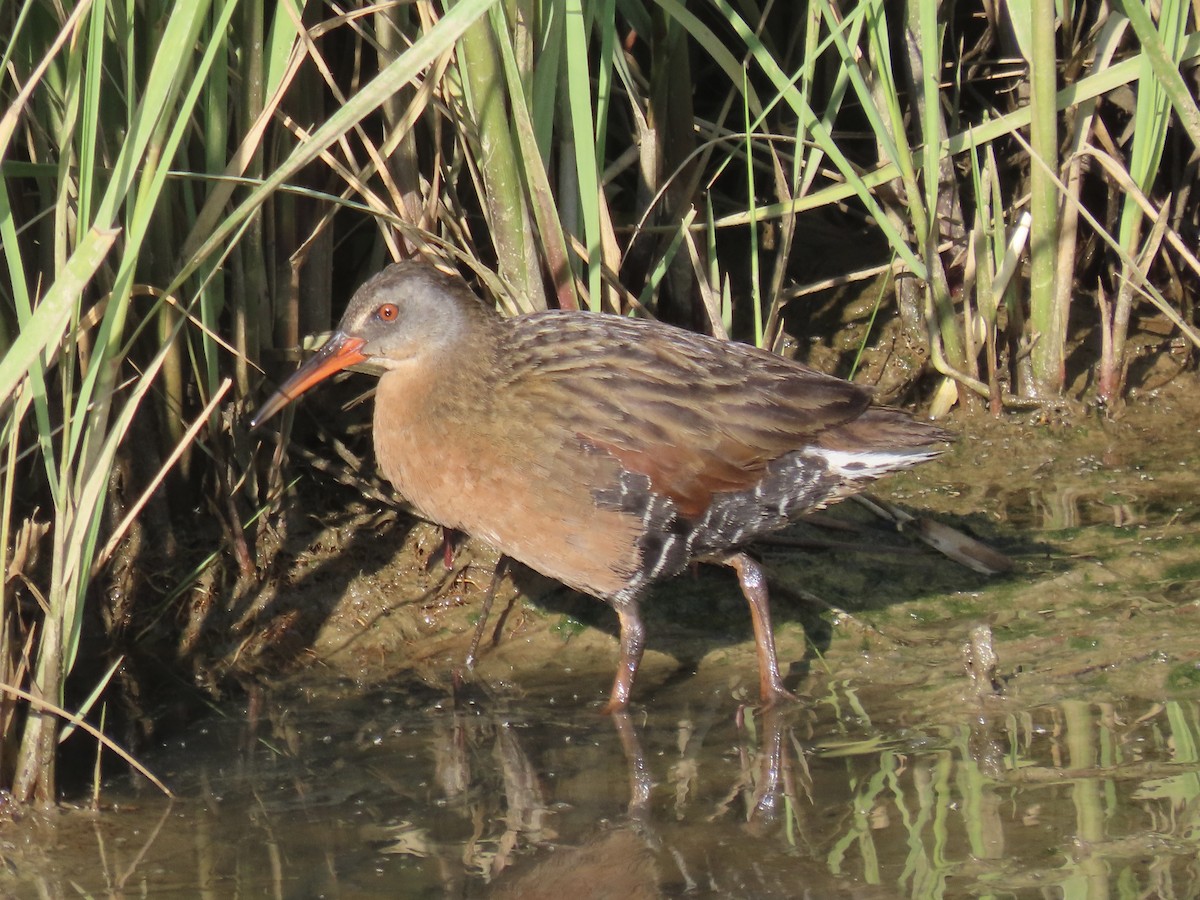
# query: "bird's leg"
446,551
753,580
633,641
497,574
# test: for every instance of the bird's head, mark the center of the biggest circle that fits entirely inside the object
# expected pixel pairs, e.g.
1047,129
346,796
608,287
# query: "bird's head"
408,311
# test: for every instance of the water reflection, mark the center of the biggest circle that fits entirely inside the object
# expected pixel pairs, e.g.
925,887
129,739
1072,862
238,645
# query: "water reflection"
1085,799
1054,505
380,795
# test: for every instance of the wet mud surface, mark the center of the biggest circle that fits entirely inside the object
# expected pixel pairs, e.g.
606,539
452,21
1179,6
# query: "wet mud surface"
1032,733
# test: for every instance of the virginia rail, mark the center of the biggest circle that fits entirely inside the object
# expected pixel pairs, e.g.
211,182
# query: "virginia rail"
602,451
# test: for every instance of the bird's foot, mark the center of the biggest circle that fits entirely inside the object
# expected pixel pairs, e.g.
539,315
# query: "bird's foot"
777,694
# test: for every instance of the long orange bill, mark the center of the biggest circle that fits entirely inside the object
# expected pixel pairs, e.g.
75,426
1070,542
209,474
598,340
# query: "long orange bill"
339,352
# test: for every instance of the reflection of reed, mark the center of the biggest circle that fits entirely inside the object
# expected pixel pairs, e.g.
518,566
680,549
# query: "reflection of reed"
616,862
1007,800
1019,803
459,779
524,799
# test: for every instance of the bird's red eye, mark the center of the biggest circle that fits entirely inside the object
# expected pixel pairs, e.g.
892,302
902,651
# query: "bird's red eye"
388,312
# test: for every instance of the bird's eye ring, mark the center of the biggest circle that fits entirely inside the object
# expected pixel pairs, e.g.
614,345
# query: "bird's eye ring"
388,312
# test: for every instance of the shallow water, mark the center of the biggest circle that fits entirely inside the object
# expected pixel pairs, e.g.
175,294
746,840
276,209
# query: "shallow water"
378,796
1035,734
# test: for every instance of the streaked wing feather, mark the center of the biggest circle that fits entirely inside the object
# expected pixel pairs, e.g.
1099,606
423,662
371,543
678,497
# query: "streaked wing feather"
697,416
